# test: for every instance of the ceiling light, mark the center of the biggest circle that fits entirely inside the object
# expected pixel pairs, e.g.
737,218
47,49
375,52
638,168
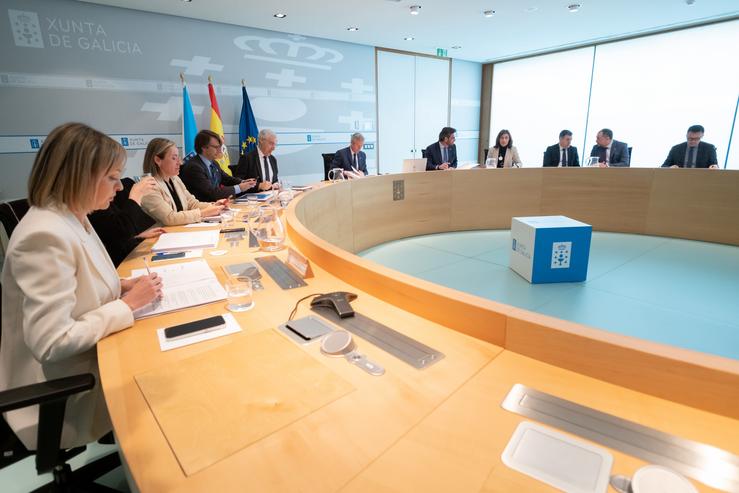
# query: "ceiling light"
280,15
574,7
352,28
488,13
532,9
456,47
690,2
187,1
415,9
409,38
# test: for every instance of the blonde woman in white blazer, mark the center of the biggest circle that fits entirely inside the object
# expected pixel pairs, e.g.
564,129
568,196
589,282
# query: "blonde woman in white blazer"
61,293
503,154
171,204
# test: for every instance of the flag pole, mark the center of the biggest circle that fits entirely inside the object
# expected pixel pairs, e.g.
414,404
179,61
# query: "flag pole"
242,83
210,79
182,78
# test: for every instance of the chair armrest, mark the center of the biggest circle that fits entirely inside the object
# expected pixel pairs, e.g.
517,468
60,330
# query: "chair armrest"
44,392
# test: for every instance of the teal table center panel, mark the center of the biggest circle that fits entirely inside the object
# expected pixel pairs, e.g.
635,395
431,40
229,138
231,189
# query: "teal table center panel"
677,292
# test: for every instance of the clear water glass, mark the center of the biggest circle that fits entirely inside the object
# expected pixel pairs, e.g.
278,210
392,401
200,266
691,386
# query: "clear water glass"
239,294
227,218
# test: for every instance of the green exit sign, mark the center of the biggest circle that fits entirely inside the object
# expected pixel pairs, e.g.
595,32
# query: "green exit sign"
440,52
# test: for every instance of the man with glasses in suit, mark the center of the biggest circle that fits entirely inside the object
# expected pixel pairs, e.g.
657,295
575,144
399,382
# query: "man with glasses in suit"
693,153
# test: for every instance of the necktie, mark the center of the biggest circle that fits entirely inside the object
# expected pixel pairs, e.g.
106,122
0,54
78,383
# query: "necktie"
691,158
564,157
214,174
356,165
266,169
444,155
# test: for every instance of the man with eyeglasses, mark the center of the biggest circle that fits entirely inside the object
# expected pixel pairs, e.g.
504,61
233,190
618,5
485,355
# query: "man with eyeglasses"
202,175
693,153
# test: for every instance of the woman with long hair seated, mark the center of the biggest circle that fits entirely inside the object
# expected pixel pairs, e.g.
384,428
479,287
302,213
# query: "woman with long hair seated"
171,204
503,154
61,293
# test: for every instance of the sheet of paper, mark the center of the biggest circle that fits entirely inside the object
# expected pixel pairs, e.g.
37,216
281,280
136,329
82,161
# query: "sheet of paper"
185,284
232,326
176,242
203,225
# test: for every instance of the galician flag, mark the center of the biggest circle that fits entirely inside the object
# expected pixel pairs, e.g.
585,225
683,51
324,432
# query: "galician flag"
247,125
216,125
189,127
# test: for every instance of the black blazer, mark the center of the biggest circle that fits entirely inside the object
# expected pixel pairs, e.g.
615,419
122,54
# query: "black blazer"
118,225
196,177
552,155
619,154
343,159
434,159
250,167
705,158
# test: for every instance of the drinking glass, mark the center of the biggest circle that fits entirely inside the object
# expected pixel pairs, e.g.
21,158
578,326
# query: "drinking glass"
336,174
269,230
239,294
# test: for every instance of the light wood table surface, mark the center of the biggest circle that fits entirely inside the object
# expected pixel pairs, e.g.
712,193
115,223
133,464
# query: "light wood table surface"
438,429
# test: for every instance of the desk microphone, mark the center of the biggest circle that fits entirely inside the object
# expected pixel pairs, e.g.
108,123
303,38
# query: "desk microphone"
338,300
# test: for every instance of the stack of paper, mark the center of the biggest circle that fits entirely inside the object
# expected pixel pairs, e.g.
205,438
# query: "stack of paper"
178,242
184,284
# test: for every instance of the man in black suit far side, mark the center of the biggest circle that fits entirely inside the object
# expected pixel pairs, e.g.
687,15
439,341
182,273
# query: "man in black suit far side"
610,152
442,154
202,175
563,154
352,159
260,165
693,153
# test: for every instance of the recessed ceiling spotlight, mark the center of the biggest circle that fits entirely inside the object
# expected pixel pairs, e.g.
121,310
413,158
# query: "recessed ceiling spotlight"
415,9
409,38
532,9
456,47
488,13
280,15
690,2
187,1
352,28
574,7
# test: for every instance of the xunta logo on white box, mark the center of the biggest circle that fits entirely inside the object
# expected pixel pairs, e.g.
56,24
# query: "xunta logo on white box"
561,254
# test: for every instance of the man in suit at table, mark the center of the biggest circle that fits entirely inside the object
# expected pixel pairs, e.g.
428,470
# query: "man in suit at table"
202,175
259,164
610,152
442,154
693,153
563,154
351,159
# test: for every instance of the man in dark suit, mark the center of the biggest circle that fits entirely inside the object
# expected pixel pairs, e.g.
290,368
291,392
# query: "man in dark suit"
693,153
351,159
259,165
442,154
610,152
202,175
562,154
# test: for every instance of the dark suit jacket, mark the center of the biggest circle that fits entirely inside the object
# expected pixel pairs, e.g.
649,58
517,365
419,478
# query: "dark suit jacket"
250,167
552,155
118,225
343,159
434,158
196,177
619,154
706,155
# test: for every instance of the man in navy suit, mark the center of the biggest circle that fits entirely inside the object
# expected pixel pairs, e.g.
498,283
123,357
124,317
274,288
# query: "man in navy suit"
442,154
563,154
610,152
351,159
260,165
693,153
204,178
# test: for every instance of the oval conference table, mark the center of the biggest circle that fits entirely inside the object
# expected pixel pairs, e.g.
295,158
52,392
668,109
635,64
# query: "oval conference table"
254,411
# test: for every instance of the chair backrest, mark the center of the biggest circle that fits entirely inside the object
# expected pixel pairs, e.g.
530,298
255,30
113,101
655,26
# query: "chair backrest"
486,156
630,154
423,153
11,213
327,160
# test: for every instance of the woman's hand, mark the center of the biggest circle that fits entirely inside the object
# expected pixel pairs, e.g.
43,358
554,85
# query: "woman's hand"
145,186
151,233
144,290
212,210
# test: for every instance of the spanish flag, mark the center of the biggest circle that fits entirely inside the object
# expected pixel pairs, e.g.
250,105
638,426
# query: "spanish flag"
216,125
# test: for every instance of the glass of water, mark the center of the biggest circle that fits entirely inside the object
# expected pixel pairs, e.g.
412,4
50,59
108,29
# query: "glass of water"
227,218
239,294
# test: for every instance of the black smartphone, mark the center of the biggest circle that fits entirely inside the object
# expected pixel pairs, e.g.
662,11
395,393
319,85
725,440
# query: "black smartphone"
233,230
196,326
167,256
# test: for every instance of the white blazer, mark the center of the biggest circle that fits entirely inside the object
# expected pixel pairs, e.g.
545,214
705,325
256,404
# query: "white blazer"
61,295
160,204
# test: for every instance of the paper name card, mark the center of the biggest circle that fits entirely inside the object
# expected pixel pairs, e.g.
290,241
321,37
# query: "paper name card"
299,263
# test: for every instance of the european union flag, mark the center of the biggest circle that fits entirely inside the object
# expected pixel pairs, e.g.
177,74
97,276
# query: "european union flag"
189,127
247,125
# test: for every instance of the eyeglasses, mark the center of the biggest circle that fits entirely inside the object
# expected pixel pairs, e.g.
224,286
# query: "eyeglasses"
215,146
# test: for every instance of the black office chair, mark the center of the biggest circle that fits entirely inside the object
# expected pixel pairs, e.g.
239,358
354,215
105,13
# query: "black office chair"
11,213
629,149
486,155
423,153
327,160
